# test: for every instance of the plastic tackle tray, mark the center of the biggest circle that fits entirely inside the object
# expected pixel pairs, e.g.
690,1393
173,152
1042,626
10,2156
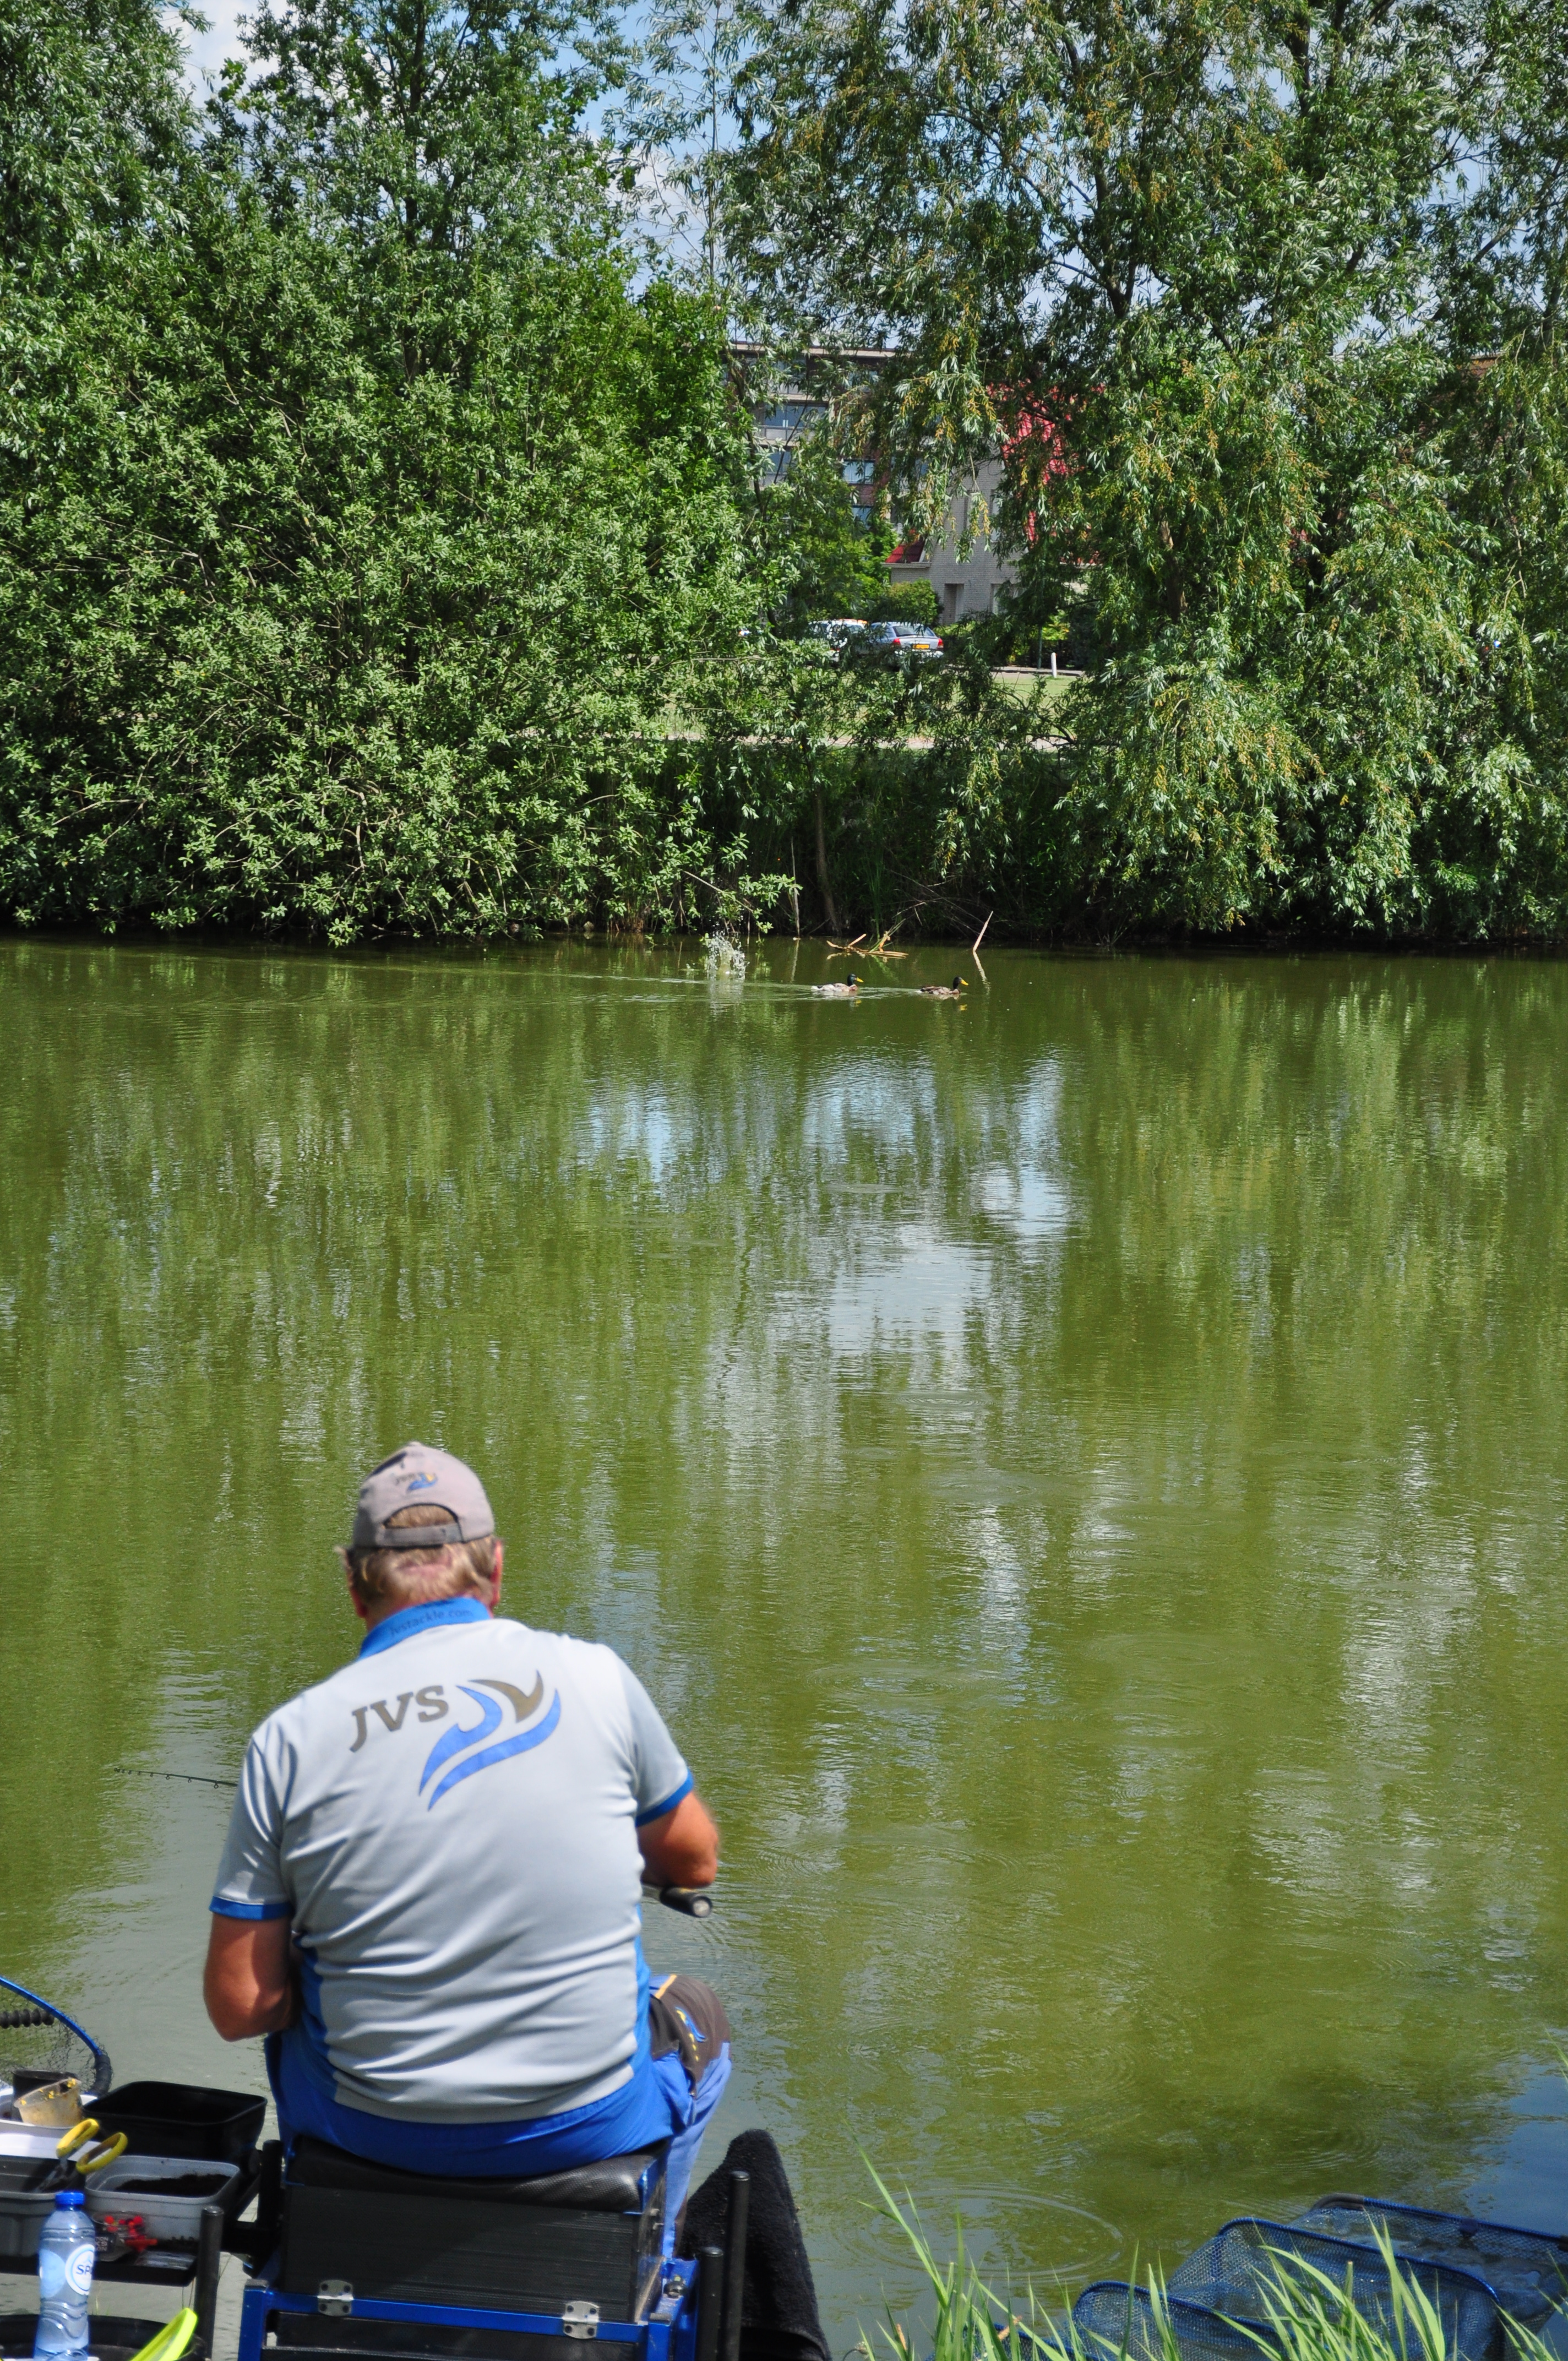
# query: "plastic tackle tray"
174,2216
183,2119
24,2207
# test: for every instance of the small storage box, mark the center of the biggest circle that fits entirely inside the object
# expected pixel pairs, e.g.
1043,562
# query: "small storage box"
591,2235
182,2119
176,2215
31,2077
24,2207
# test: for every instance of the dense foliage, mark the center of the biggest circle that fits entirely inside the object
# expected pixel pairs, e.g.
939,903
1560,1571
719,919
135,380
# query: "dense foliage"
382,545
361,525
1263,303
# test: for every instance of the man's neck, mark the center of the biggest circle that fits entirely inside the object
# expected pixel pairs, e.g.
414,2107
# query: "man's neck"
377,1611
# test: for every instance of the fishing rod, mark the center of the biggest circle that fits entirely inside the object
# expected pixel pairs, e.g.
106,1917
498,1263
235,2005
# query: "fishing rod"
192,1778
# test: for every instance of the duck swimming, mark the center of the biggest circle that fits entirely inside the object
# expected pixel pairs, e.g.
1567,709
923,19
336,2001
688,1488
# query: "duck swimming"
847,990
954,991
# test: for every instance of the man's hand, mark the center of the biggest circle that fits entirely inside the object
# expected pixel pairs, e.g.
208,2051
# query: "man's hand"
249,1985
682,1849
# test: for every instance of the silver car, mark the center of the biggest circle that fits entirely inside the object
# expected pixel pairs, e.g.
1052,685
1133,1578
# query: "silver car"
893,643
839,633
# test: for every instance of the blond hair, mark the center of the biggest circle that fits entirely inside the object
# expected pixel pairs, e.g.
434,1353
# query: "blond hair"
413,1577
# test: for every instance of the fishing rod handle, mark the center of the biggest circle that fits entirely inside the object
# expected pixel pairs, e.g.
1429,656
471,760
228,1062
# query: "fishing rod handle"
694,1900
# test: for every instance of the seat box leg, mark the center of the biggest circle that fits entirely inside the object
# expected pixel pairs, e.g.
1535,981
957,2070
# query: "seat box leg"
253,2314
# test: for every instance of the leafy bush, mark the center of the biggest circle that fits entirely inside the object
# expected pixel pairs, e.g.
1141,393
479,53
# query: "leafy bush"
356,559
904,602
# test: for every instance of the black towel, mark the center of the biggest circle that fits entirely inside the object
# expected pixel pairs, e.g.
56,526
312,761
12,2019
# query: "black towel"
778,2313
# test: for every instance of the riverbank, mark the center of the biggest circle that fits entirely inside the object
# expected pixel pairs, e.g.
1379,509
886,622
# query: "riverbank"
963,824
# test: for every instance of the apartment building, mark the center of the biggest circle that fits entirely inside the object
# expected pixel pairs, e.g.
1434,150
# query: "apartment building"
964,585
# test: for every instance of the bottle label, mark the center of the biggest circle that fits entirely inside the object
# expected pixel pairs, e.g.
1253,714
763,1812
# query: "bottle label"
79,2267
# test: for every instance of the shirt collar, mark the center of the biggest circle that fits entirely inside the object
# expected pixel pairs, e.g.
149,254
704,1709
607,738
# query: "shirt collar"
408,1620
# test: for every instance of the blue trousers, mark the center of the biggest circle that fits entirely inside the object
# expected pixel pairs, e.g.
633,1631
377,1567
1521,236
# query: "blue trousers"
698,2103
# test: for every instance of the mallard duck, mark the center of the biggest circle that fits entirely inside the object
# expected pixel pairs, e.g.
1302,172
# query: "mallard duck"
954,991
847,990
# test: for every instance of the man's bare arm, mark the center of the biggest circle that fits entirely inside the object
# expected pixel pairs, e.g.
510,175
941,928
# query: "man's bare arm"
250,1982
681,1849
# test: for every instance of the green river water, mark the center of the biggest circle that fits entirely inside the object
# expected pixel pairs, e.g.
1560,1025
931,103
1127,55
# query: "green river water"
1083,1472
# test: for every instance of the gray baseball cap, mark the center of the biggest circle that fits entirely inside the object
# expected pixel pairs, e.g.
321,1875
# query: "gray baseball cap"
416,1473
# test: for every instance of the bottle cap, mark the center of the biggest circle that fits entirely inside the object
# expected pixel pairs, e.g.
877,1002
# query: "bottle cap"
71,2198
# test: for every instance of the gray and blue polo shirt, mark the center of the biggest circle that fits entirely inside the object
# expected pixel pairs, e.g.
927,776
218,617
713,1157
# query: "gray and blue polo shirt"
450,1822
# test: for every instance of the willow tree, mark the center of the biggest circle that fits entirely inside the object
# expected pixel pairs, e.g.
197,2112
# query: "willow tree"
1261,298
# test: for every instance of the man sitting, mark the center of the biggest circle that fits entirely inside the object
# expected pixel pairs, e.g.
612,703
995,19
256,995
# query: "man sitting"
429,1899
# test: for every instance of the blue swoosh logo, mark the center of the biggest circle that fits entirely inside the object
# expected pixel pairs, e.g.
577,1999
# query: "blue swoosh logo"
482,1761
457,1738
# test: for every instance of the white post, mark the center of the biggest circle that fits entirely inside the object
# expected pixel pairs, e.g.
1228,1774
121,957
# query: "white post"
1053,664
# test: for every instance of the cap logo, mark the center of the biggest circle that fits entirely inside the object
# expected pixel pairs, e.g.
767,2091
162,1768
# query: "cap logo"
419,1483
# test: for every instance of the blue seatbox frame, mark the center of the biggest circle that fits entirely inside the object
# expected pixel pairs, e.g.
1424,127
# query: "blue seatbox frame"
668,2333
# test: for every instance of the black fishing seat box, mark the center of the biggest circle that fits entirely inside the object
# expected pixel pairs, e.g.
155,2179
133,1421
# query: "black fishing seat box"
588,2236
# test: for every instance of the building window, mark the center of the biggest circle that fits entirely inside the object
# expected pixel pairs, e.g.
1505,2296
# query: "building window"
789,417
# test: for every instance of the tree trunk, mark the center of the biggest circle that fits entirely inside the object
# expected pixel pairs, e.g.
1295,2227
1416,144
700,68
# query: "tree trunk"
822,877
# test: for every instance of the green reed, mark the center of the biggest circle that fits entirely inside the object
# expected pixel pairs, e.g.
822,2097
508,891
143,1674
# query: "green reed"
1307,2315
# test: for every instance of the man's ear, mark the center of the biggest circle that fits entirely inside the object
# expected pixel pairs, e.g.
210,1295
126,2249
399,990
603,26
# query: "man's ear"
354,1598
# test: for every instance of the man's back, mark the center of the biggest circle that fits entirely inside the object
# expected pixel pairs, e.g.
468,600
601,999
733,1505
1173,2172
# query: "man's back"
450,1822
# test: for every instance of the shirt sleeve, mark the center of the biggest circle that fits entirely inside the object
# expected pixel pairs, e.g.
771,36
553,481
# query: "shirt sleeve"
251,1883
660,1777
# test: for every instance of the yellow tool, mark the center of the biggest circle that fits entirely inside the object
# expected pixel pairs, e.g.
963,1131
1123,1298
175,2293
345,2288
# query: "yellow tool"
171,2338
74,2151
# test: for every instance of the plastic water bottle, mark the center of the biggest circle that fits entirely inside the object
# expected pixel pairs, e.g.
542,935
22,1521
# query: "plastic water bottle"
65,2276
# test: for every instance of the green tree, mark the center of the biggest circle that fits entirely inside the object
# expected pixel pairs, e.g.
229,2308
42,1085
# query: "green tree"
831,552
387,525
93,122
1218,280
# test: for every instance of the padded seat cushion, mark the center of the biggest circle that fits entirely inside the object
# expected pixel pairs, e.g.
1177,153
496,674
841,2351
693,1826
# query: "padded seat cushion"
616,2184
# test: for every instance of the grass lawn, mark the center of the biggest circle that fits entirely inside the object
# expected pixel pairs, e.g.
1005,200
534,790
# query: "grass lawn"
1019,682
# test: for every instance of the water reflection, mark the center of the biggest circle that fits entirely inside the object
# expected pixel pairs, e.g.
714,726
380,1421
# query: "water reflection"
1082,1470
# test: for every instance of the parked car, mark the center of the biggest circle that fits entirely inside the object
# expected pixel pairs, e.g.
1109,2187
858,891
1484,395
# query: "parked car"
894,643
838,633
